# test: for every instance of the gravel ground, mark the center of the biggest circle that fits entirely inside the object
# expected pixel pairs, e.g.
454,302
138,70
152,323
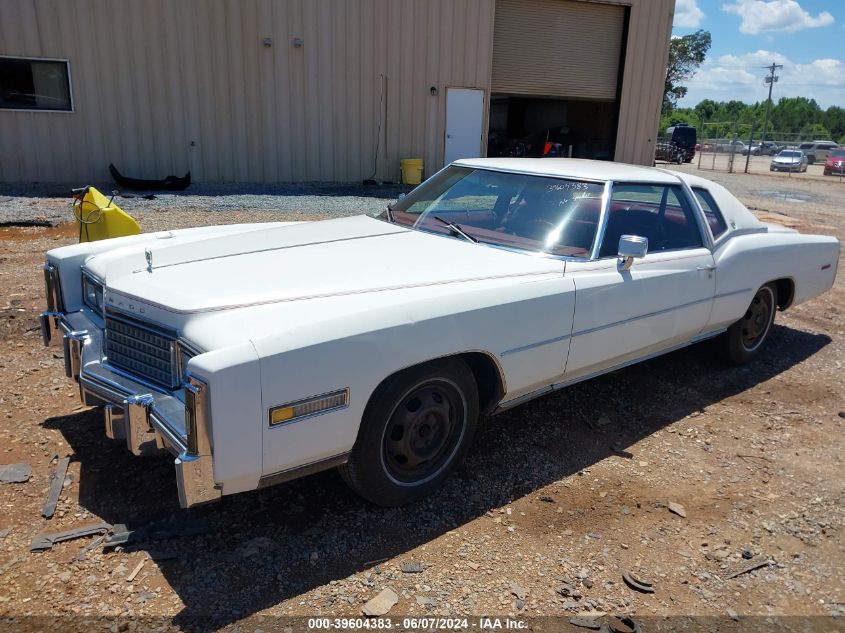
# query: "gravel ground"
50,204
677,470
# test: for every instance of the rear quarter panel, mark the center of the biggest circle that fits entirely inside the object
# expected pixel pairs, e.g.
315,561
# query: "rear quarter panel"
747,262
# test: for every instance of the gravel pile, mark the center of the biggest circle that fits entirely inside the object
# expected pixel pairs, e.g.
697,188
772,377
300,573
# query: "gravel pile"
44,204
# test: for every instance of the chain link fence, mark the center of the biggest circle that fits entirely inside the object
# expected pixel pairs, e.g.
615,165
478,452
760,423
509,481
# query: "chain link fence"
738,148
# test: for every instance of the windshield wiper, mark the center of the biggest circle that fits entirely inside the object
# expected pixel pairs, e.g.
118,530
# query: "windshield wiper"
456,229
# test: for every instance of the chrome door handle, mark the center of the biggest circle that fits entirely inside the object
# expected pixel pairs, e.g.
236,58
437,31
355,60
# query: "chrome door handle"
708,268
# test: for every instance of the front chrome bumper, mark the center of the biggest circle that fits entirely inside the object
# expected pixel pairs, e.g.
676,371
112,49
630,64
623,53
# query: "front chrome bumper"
148,419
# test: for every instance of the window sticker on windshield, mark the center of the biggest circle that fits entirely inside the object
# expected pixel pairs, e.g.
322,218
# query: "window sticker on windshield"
570,186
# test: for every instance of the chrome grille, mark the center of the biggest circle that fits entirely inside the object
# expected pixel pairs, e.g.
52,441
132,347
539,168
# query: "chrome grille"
141,351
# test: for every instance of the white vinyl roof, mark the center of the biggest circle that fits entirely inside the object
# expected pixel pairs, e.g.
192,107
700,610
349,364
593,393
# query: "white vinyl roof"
572,168
737,216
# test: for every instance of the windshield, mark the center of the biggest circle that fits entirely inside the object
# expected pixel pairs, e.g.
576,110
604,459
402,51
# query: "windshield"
838,153
790,154
534,213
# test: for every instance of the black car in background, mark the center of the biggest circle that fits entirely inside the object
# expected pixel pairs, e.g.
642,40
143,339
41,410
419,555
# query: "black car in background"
682,139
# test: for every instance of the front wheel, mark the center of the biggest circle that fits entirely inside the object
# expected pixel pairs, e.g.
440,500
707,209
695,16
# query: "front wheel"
744,338
416,429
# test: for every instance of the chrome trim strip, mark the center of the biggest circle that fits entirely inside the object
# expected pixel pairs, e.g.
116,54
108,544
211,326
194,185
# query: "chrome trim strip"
602,225
197,424
303,471
657,312
53,288
524,348
615,323
567,383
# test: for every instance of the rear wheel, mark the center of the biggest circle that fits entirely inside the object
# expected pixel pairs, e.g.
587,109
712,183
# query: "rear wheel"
744,338
415,431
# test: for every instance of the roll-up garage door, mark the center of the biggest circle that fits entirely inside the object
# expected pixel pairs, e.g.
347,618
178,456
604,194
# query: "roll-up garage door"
557,48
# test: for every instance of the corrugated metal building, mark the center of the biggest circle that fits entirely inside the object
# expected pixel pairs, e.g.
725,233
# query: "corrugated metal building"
321,90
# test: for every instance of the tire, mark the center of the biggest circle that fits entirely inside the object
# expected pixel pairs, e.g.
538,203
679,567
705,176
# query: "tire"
416,429
744,338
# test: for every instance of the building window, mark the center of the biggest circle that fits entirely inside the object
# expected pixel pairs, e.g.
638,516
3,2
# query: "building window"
34,84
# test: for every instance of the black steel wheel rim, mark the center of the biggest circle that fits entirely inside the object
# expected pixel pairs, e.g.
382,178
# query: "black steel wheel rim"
758,318
424,431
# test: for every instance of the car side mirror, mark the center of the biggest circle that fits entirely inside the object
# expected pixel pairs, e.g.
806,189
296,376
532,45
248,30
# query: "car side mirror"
631,247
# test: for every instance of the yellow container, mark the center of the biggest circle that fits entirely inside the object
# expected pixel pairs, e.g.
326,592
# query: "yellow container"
412,170
97,218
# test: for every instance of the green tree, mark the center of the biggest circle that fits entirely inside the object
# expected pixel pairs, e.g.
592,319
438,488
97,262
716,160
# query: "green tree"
686,54
705,109
815,131
792,114
834,120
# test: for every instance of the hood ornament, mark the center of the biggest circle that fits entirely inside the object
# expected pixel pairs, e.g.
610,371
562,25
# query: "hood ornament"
149,255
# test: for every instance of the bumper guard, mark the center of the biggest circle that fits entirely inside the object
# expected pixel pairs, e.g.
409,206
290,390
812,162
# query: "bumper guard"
148,419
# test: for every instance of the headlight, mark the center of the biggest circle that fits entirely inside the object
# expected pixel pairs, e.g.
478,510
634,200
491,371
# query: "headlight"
92,294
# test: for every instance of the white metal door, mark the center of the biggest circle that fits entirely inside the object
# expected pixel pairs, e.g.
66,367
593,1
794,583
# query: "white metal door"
464,122
663,301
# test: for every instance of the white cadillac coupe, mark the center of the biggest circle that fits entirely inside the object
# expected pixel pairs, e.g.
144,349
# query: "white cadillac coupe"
260,353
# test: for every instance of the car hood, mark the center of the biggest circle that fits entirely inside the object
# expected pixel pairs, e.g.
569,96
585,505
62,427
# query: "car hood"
786,159
311,260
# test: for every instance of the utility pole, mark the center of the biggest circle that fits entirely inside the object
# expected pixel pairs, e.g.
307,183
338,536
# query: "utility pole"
771,80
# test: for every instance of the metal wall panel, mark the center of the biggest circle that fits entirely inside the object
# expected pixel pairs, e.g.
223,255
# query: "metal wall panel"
649,31
557,48
164,86
167,86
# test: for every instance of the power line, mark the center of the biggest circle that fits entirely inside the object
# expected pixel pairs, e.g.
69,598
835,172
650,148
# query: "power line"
771,80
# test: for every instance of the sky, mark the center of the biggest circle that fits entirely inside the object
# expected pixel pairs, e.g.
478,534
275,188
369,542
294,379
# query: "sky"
806,36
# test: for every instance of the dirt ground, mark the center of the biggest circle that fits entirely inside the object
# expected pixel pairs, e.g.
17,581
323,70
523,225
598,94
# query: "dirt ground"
557,499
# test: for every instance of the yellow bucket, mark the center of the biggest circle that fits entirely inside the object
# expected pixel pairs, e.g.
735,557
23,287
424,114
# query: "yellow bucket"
412,170
99,218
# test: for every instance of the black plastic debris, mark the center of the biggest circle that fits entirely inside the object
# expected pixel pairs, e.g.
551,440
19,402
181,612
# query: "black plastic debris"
45,541
57,480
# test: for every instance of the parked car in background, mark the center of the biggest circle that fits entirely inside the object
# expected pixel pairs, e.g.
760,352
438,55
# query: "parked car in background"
256,354
684,138
735,146
789,160
835,163
817,150
766,148
669,152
